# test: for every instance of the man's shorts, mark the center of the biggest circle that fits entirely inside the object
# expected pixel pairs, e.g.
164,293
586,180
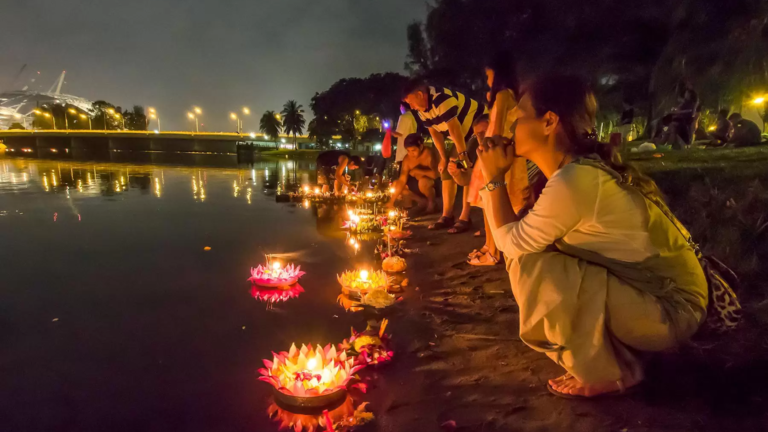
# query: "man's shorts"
413,185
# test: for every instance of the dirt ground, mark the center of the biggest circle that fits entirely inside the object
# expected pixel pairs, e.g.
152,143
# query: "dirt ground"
459,359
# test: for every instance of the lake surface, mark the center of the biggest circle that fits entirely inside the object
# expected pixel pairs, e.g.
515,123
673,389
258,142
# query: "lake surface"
114,317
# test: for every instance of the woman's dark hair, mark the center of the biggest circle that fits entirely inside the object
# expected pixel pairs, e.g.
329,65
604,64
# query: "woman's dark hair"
413,140
573,101
505,77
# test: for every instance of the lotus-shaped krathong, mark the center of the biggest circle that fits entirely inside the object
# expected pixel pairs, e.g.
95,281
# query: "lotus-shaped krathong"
301,375
360,281
274,275
278,294
342,418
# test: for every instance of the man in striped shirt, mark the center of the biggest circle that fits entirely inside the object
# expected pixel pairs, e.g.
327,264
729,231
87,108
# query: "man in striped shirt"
443,110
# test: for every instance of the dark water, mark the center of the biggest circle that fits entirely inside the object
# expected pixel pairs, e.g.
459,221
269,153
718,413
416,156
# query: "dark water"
113,317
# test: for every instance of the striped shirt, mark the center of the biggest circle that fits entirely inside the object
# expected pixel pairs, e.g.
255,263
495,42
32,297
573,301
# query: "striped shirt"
444,104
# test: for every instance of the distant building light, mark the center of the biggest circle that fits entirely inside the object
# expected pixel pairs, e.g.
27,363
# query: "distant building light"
253,135
282,140
377,147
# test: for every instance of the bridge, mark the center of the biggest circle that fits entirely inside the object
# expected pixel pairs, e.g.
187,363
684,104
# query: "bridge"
56,142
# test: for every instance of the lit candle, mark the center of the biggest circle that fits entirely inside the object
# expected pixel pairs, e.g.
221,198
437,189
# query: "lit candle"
392,190
363,275
392,214
317,190
306,188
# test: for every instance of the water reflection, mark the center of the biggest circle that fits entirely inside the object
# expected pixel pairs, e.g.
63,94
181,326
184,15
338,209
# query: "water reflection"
88,179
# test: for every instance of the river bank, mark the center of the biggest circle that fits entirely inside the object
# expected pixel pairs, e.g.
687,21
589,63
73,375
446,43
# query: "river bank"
459,359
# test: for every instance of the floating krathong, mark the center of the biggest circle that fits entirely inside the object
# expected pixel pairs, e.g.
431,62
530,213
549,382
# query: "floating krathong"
273,275
310,377
278,294
361,281
369,347
341,418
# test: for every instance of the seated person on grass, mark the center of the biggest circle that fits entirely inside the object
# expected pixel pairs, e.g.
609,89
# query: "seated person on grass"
419,174
723,128
745,132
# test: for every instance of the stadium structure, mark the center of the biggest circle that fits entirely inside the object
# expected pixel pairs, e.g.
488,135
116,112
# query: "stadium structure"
18,106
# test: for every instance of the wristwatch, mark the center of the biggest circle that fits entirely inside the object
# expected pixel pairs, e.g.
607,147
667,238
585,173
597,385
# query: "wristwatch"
492,186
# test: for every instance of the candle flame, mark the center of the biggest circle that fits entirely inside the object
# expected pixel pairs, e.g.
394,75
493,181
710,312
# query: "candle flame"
306,188
364,275
368,194
276,265
317,190
350,213
392,213
391,190
391,227
312,364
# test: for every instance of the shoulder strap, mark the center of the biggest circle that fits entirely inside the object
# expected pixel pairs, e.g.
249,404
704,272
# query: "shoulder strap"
596,162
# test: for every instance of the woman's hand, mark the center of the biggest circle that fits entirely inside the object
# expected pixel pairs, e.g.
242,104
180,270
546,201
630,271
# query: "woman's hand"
496,155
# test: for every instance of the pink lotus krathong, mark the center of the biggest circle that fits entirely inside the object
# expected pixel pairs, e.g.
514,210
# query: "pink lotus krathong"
271,295
276,276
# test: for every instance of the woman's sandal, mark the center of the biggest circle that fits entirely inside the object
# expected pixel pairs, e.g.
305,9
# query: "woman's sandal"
491,261
478,252
460,226
443,222
621,391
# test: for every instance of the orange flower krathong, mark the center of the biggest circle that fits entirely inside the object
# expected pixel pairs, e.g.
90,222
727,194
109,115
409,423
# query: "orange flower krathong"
363,280
310,371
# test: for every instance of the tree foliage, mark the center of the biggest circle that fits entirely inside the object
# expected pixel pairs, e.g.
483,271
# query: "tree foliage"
135,119
270,125
629,50
352,107
293,119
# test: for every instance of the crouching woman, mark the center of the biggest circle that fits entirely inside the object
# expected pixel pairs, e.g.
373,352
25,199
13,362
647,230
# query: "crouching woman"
597,268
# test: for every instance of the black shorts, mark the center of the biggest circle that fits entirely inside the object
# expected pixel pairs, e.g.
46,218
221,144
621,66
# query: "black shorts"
413,185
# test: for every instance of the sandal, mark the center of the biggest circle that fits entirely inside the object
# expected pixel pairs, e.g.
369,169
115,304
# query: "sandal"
460,226
443,222
478,252
491,261
621,391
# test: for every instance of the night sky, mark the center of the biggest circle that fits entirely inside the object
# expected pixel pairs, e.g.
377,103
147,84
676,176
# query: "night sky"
217,54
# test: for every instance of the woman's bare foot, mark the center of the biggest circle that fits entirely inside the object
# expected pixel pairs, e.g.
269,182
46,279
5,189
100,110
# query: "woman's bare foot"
570,386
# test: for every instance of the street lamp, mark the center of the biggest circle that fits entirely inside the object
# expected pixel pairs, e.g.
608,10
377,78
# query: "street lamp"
46,115
246,111
83,116
238,124
194,117
23,118
66,118
154,116
120,117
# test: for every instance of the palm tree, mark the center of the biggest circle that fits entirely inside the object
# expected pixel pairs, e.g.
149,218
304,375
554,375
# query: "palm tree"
270,125
293,119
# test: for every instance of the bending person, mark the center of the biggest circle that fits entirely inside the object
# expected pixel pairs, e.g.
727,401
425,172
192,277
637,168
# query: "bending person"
622,277
418,174
331,165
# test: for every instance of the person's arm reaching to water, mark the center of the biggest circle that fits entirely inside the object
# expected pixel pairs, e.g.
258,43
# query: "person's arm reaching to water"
399,185
340,177
439,140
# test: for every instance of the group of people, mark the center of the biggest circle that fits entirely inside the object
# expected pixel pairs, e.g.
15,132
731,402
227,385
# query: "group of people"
682,126
598,268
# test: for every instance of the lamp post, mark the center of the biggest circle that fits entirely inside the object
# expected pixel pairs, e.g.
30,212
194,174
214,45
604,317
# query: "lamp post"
121,118
155,117
47,115
761,101
110,111
22,117
238,124
66,118
197,111
83,116
246,111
